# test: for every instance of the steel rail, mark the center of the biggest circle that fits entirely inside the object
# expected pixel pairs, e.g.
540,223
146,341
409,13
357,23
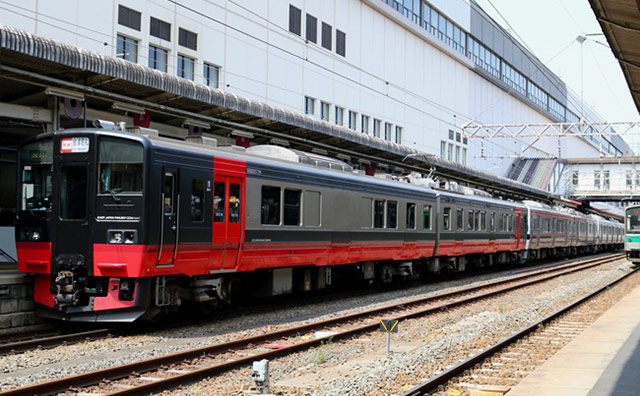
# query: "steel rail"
118,372
442,378
52,341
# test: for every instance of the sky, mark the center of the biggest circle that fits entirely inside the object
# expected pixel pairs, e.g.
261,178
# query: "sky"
549,29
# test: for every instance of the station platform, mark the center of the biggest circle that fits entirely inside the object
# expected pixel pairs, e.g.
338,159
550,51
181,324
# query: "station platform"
16,299
604,360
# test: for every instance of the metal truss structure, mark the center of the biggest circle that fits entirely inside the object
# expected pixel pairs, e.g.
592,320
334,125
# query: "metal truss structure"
517,131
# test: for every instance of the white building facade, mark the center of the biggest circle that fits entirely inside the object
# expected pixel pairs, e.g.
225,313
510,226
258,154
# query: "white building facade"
411,72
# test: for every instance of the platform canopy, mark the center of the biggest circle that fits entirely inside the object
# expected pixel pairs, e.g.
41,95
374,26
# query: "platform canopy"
620,22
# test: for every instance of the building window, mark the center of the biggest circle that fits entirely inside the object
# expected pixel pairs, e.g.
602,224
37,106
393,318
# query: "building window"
458,154
326,36
443,149
324,111
376,127
185,67
295,20
458,137
157,58
312,28
341,43
450,151
575,177
339,119
309,103
211,75
451,133
364,124
605,180
352,120
127,49
387,131
398,134
188,39
464,156
596,180
160,29
128,17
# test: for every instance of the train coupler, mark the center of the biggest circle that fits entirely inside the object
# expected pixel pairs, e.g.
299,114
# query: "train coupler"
65,286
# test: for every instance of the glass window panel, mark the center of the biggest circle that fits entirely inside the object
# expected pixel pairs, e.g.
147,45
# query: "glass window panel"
219,198
292,207
270,205
73,193
197,200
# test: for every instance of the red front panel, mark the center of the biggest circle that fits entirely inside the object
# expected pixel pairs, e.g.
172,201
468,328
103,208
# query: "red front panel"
41,290
34,257
120,260
111,300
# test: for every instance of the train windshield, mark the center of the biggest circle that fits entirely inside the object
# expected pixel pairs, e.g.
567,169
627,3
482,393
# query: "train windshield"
120,166
633,220
36,187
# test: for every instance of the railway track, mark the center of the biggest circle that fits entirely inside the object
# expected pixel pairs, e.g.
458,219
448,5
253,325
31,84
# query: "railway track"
187,366
516,355
48,338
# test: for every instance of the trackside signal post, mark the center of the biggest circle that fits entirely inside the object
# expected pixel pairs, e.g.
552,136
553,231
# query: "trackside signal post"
389,326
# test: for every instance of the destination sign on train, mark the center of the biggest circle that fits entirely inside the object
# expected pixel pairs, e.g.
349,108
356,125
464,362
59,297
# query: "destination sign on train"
74,145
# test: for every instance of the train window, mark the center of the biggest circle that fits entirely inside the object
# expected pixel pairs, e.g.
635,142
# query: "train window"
459,219
483,221
477,220
197,200
392,214
119,166
426,217
219,194
37,184
492,221
73,193
270,205
510,222
411,216
378,214
312,209
234,203
470,216
292,207
446,219
168,193
500,222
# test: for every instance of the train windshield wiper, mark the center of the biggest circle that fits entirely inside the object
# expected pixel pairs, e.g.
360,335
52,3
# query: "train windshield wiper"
113,195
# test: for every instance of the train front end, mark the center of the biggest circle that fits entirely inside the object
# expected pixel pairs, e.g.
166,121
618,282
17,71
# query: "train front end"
632,234
79,226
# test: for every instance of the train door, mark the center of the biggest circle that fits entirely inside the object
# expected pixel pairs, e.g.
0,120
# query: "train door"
228,204
169,232
72,240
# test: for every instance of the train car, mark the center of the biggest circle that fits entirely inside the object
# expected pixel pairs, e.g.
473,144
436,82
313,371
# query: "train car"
632,233
119,226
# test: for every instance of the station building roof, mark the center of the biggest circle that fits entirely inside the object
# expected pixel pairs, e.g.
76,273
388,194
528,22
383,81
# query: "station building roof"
30,63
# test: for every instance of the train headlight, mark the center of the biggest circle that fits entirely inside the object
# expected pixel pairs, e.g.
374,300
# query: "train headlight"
629,239
35,235
114,236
